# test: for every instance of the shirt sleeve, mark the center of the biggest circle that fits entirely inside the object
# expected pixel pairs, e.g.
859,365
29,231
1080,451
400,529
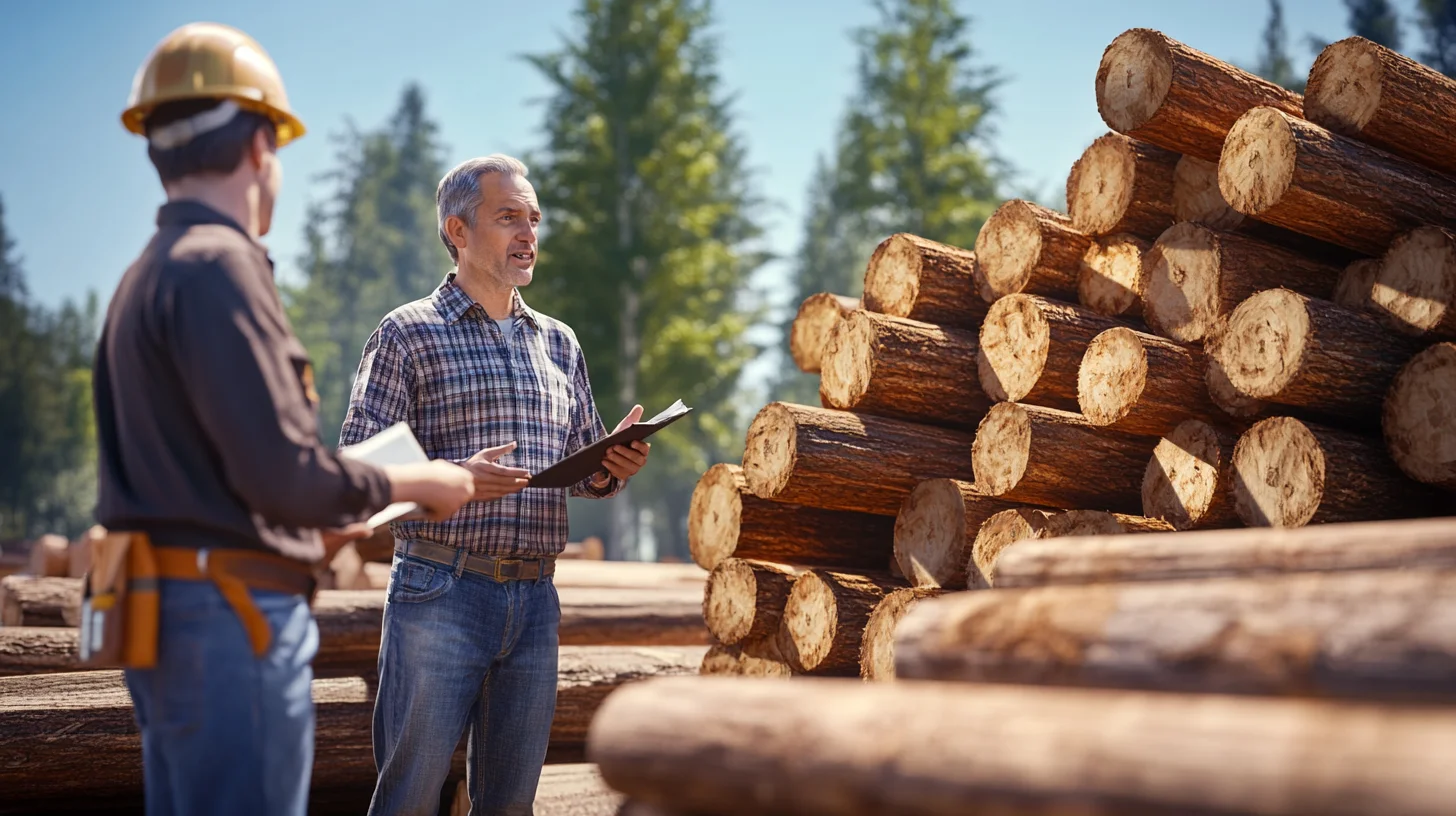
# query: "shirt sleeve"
587,428
384,387
249,380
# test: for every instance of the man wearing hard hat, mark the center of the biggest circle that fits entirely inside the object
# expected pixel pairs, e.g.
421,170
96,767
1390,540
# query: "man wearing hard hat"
214,486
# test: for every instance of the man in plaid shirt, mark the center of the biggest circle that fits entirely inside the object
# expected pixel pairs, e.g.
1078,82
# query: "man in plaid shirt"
470,621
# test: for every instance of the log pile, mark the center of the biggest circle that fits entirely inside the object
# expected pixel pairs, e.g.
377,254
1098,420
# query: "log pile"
1220,333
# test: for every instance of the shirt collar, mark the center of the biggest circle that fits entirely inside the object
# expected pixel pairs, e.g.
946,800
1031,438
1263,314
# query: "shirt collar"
452,302
189,212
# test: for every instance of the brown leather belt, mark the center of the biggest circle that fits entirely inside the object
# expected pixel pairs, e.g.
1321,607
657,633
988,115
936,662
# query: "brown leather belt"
236,572
497,569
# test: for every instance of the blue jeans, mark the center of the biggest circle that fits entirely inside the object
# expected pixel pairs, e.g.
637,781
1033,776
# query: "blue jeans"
459,651
224,732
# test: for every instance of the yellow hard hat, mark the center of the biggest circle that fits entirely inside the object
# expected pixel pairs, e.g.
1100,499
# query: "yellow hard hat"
211,61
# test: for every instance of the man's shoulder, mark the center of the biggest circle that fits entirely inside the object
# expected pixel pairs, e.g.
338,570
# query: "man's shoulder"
202,249
414,319
555,329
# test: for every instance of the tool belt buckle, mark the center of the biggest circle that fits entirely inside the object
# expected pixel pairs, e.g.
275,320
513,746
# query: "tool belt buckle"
502,562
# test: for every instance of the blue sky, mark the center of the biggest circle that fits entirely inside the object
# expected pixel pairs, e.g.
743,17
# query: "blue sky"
80,196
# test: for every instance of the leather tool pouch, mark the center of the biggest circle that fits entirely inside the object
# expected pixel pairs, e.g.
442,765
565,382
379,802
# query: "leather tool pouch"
120,607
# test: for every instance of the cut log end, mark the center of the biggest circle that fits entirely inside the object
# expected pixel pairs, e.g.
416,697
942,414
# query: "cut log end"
930,535
1420,417
730,601
877,650
1100,187
1110,281
997,533
1279,474
849,361
1356,286
1257,165
1345,86
772,447
817,317
1112,376
1015,340
1100,522
1416,283
1221,392
1008,248
1182,282
1133,79
892,281
1196,196
1182,482
809,622
1265,342
714,515
1002,448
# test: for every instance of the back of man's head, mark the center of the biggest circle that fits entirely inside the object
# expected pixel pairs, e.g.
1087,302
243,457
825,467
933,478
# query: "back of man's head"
202,137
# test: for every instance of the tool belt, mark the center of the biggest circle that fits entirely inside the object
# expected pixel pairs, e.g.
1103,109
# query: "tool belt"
121,610
497,569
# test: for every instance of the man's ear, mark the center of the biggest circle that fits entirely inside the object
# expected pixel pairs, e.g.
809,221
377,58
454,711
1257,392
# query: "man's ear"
258,149
456,228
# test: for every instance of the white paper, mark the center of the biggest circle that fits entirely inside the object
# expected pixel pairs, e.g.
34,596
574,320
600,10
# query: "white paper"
395,445
669,412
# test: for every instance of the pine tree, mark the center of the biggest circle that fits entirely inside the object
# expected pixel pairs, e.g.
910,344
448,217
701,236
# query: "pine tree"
1438,25
1274,63
1375,20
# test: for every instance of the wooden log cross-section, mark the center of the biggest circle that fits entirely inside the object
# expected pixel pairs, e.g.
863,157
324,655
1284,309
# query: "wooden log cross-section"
935,530
1356,287
918,279
1189,479
1420,418
1031,347
744,600
817,317
1221,391
1122,185
1140,383
997,535
724,747
1415,284
27,600
1025,247
1110,281
825,618
752,658
902,369
877,646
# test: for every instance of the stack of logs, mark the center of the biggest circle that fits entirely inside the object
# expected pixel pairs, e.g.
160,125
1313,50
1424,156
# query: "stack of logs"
1245,320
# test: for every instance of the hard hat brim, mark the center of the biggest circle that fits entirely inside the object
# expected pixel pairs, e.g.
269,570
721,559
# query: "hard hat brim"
288,126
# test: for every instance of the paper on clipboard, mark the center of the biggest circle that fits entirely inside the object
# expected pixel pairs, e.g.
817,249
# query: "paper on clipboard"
395,445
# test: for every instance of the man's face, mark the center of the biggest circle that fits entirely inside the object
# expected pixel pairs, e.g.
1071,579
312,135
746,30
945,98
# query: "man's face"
502,244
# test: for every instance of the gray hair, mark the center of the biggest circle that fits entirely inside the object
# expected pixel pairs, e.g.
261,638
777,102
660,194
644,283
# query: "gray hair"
459,191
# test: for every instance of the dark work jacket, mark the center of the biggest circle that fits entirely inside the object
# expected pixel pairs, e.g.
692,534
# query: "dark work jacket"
206,415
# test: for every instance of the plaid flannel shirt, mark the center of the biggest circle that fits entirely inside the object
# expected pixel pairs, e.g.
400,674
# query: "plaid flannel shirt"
442,365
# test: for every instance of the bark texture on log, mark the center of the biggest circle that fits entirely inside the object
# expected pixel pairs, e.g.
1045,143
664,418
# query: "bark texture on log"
1303,634
1189,479
935,530
1289,473
817,317
1053,458
726,520
1356,287
1101,522
825,618
1122,185
1025,247
919,279
842,461
1158,90
1031,347
36,650
1288,172
1416,545
998,533
877,649
1419,417
1136,382
716,746
902,369
745,599
1363,90
1415,286
1196,197
1196,275
1110,281
754,658
27,600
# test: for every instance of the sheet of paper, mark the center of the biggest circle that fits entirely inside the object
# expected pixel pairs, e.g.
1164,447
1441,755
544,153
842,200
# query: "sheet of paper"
672,410
395,445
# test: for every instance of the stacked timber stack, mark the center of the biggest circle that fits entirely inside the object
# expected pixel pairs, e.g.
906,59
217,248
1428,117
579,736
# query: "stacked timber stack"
1246,319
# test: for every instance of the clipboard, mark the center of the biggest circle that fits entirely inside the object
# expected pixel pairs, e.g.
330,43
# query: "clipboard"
395,445
582,464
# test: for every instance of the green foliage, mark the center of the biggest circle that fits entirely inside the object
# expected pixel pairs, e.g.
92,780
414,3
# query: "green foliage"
1375,20
1437,19
1274,62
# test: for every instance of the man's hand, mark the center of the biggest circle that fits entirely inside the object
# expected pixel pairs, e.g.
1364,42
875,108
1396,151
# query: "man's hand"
492,480
623,461
335,538
439,487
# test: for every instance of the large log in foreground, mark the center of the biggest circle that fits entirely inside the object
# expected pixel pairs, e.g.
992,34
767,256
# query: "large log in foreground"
1122,185
1025,247
1189,479
27,600
1415,285
720,746
1140,383
1420,417
918,279
842,461
1156,89
1031,347
935,530
877,647
1303,634
817,317
1286,171
1110,281
825,618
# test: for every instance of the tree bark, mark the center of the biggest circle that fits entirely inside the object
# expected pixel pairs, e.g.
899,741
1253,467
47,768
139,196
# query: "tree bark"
36,650
1299,634
1419,419
919,279
1052,458
935,530
815,322
998,533
1196,275
726,520
1288,172
1101,522
1139,383
1110,281
902,369
753,658
1031,348
1189,479
1122,185
825,619
842,461
1415,286
877,647
1025,247
1158,90
716,746
1289,473
27,600
1332,362
744,600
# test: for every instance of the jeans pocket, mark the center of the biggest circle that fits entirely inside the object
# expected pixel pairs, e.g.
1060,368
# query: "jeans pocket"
415,580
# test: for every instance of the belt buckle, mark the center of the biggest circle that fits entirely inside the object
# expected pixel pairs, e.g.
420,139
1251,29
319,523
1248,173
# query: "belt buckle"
502,562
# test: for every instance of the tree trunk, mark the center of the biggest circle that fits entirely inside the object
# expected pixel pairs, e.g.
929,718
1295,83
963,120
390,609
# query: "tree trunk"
1052,458
1110,281
814,324
726,520
1189,479
1301,634
1356,287
745,599
1288,172
1122,185
1158,90
1135,382
1031,348
935,530
825,619
716,746
1334,363
1366,91
1025,247
1415,286
877,647
26,600
753,658
1420,418
1197,275
998,533
1101,522
918,279
903,369
841,461
1289,473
